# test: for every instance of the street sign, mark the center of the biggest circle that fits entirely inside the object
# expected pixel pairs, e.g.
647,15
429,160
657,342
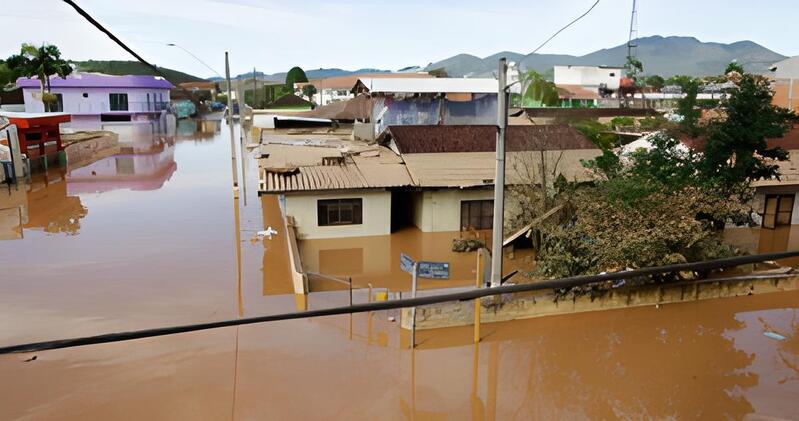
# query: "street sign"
406,263
433,270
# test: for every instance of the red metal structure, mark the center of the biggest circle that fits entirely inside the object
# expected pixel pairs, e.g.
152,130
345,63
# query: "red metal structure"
39,134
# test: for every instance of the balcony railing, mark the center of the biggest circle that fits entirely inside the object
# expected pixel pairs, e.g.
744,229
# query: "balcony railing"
104,107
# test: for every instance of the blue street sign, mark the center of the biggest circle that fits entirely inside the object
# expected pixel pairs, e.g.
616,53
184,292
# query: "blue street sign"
433,270
406,263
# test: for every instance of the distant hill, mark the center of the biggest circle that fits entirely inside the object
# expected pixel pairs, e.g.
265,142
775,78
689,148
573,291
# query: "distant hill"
121,67
666,56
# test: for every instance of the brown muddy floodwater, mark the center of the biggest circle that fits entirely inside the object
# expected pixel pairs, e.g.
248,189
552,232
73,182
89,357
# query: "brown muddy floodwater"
150,240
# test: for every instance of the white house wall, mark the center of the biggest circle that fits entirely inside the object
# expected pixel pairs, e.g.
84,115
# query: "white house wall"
97,100
376,214
588,76
440,210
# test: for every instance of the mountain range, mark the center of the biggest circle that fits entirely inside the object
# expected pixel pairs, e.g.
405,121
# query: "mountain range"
665,56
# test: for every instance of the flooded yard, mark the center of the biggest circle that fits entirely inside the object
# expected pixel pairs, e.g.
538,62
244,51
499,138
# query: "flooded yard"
153,237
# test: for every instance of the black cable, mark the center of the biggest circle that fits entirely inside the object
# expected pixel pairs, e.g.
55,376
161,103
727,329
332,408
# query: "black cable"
112,36
402,303
564,28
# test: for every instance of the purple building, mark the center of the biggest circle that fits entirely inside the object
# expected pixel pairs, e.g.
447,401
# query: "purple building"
129,105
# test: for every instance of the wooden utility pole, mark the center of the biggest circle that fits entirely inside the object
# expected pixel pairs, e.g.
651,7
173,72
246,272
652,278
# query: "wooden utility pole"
254,89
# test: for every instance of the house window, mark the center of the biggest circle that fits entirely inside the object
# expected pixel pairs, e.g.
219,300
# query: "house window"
119,102
477,214
778,210
85,94
612,74
339,212
58,106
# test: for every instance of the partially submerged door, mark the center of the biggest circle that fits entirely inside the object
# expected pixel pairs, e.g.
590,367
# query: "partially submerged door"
778,210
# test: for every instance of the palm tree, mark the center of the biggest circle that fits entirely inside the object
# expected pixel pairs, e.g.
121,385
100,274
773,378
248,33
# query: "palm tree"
42,62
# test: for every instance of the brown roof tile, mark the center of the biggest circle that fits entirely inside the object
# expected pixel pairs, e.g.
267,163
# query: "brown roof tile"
436,139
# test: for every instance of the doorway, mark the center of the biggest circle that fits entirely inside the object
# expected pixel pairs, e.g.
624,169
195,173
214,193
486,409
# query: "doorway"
401,209
778,210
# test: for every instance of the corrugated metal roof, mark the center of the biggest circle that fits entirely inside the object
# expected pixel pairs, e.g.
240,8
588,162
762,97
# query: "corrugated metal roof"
433,85
328,177
374,168
99,80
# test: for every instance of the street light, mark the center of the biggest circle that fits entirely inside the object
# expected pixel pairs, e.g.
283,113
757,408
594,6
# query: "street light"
196,58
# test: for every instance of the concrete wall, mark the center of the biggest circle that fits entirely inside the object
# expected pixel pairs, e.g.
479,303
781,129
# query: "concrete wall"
440,210
376,214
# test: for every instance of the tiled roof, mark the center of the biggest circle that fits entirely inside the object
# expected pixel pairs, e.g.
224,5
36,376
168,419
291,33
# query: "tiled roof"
430,139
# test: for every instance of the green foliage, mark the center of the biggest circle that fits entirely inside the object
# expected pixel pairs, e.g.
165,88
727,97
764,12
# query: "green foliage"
42,62
736,143
309,91
295,75
652,123
622,122
596,132
686,107
680,80
633,67
221,98
7,76
656,82
539,92
734,67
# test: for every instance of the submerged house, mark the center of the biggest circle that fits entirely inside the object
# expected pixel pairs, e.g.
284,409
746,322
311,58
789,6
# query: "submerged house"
436,178
431,101
128,105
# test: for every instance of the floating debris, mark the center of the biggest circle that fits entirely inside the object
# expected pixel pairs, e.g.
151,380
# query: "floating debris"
774,335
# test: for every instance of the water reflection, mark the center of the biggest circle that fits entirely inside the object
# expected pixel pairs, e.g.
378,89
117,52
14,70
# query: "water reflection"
765,240
134,171
45,203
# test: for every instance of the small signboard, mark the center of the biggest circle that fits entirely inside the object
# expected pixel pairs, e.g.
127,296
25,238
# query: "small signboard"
428,270
406,263
433,270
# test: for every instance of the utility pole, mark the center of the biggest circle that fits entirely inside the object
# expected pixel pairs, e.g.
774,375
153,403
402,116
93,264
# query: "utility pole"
230,126
254,89
499,176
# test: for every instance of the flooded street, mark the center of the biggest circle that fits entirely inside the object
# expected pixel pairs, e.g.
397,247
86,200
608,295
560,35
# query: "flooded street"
153,237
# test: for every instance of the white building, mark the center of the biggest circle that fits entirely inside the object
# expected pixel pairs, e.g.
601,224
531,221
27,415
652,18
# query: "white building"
129,105
589,76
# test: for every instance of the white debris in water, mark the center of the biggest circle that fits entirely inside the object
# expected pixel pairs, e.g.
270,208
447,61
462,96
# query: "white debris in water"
268,232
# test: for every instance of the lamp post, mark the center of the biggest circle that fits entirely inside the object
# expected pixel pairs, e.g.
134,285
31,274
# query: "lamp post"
196,58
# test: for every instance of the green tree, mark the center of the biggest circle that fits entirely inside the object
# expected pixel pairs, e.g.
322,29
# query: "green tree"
309,91
539,92
633,66
295,75
43,62
680,80
7,76
656,82
734,67
737,142
686,107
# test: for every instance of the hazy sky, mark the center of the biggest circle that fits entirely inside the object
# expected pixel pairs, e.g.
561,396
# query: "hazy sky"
275,35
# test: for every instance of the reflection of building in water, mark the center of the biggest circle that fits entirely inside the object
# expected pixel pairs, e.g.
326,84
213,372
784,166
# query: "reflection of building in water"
198,129
139,171
44,204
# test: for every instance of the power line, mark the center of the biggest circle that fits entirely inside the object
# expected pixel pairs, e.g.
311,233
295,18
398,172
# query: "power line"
408,302
113,37
564,28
